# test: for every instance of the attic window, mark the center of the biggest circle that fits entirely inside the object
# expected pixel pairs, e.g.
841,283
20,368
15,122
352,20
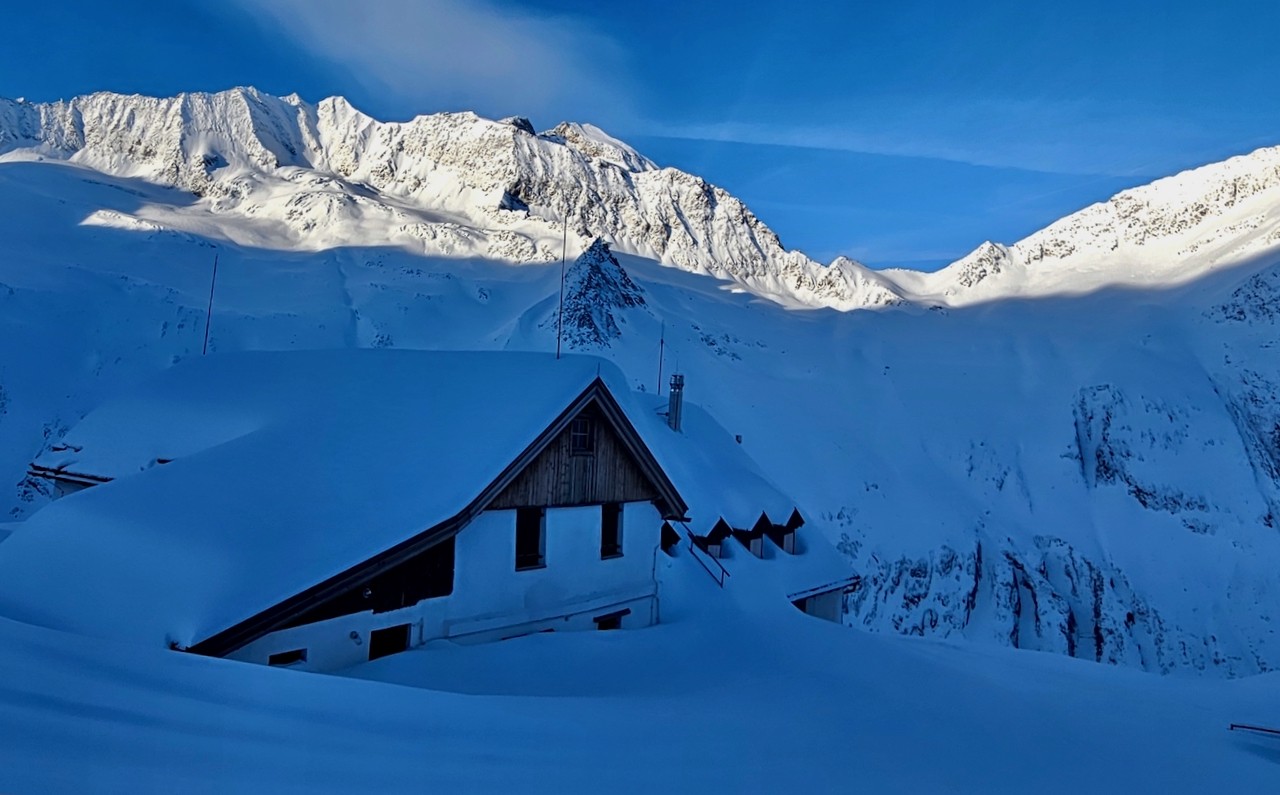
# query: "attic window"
582,436
531,538
292,657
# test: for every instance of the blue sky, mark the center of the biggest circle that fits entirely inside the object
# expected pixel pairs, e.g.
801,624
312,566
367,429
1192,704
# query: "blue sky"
897,133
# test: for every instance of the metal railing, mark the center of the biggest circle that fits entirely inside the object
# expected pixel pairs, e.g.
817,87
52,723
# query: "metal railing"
721,573
1248,728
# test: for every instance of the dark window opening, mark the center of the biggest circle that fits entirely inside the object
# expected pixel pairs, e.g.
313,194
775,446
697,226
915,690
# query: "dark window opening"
291,657
391,640
611,530
531,542
611,620
783,535
427,575
582,436
753,540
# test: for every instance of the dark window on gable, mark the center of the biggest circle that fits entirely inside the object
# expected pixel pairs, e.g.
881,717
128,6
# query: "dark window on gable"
383,642
288,657
582,436
531,542
611,530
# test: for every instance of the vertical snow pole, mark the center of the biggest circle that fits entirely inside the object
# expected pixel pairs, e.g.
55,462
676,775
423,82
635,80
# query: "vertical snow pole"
662,349
208,315
564,245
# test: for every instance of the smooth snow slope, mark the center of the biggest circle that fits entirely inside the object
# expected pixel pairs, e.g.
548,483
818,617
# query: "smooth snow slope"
1092,470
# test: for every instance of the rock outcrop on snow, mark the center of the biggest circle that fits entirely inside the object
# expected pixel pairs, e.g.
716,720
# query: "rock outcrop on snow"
597,294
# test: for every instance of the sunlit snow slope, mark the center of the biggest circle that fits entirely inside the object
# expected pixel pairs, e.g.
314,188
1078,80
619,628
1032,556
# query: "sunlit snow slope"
1069,444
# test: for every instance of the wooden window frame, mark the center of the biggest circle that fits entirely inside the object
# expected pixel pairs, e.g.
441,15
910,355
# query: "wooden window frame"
582,436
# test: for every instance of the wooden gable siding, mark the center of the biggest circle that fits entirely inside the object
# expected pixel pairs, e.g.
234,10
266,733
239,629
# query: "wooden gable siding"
559,477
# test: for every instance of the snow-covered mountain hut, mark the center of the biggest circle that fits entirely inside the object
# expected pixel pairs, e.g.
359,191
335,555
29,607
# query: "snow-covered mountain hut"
319,509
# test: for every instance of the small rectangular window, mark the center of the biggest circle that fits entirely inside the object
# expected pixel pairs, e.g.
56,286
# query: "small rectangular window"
531,544
391,640
292,657
611,620
582,436
611,530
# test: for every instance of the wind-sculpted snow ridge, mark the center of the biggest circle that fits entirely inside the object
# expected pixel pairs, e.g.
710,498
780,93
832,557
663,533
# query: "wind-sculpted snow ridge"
453,184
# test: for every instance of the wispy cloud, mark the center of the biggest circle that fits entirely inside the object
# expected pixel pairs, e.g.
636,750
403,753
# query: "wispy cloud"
460,54
1057,137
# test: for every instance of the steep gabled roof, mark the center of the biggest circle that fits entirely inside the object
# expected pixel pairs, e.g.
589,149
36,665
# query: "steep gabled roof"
290,470
597,395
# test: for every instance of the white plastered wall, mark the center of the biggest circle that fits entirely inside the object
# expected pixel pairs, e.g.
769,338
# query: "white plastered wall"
491,600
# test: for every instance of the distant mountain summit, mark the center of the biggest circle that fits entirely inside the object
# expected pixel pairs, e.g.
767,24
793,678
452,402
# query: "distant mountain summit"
452,184
455,184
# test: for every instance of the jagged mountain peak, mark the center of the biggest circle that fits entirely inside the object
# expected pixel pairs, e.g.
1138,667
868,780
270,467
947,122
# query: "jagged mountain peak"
323,175
594,142
1162,234
447,184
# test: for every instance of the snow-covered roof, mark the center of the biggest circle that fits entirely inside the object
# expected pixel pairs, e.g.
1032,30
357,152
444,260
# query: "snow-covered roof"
287,468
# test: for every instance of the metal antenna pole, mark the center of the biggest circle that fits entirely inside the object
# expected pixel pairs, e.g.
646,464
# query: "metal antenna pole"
208,315
662,346
564,244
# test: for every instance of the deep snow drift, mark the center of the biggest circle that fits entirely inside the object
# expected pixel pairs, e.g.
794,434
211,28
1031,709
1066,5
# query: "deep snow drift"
731,694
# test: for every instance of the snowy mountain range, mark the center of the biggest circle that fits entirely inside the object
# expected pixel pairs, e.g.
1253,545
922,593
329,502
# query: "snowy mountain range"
1069,444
